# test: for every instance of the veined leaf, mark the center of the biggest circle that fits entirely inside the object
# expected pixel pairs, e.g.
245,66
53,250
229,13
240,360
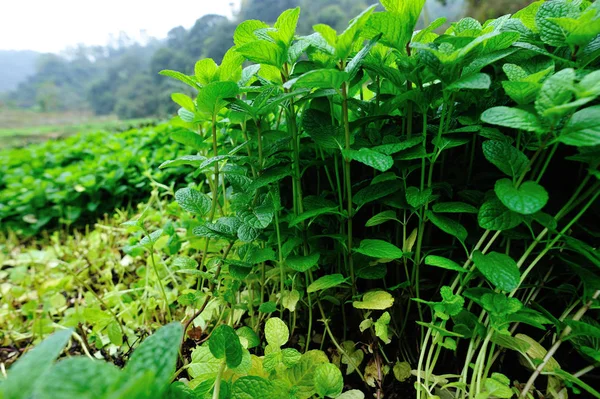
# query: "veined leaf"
514,118
193,201
448,225
379,249
375,300
325,282
493,215
302,263
506,157
371,158
528,198
500,269
319,78
444,263
328,380
33,365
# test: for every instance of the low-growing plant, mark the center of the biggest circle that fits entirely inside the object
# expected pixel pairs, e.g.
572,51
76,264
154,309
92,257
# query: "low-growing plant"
419,209
76,180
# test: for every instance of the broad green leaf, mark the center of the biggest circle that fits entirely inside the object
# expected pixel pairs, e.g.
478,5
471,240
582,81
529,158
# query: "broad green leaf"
379,249
301,376
188,80
249,335
225,343
193,201
375,300
528,198
247,233
270,176
497,389
33,365
77,377
286,25
328,380
206,70
499,269
289,299
203,365
191,160
514,118
556,90
398,23
184,101
374,192
355,355
188,138
493,215
231,67
277,333
346,41
211,97
402,371
326,282
416,198
156,357
527,15
258,217
448,226
302,263
371,158
355,63
477,81
454,207
583,129
251,387
550,32
318,126
380,218
444,263
244,33
393,148
505,157
319,78
352,394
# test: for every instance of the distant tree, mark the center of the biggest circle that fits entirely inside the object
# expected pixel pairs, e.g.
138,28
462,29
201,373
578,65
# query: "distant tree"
219,42
168,58
176,38
265,10
205,27
137,98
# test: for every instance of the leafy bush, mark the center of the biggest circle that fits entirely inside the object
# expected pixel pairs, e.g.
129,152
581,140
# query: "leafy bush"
423,204
81,177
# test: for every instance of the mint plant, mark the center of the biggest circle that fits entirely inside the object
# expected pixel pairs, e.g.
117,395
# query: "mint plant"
381,209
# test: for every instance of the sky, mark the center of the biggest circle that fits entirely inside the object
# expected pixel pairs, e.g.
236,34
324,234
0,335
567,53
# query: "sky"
53,25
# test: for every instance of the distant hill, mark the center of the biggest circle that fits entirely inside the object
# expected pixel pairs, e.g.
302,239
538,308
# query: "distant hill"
15,67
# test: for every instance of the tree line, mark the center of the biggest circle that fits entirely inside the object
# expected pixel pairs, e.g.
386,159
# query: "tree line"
122,78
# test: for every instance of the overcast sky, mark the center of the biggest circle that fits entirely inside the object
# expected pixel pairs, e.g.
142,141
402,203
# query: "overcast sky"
53,25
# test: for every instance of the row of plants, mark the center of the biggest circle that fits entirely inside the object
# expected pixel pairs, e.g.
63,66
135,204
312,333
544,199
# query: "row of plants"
76,180
378,213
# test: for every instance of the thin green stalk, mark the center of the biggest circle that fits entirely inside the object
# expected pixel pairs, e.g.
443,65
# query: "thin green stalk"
217,389
348,177
160,284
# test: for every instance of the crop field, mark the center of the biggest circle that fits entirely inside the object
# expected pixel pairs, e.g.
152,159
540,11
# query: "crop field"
21,127
373,212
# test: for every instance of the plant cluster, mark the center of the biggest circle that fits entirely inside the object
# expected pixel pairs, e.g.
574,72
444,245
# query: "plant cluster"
80,178
380,209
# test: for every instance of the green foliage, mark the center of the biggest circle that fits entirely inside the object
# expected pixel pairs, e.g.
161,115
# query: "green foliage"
68,181
334,178
147,374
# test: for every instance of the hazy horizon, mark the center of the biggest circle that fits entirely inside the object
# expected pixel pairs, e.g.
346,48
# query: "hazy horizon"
73,22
